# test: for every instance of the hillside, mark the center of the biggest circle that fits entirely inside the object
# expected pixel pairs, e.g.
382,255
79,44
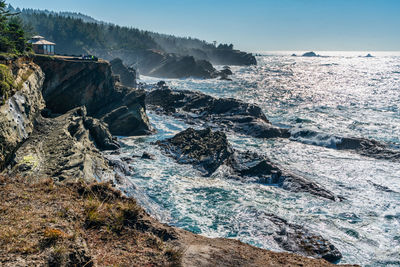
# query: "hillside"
76,34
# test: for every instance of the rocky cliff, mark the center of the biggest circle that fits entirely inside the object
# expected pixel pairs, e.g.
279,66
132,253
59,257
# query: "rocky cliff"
73,83
53,155
18,113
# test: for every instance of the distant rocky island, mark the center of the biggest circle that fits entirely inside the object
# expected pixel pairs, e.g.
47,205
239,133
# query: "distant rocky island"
310,54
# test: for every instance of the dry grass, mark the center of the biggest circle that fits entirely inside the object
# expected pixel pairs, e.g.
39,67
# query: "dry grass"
47,224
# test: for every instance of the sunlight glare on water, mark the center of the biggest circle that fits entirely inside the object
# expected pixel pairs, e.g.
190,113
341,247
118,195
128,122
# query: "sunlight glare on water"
338,95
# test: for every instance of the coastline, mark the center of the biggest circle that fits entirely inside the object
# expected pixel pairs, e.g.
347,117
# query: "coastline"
70,156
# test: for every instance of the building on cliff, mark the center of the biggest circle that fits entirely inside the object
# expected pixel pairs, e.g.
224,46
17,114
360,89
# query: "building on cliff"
42,46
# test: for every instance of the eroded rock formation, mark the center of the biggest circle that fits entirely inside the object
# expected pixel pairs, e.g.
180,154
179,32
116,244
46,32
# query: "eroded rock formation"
207,150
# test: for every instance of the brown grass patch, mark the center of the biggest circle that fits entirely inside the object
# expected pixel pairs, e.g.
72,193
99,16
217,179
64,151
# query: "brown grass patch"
49,224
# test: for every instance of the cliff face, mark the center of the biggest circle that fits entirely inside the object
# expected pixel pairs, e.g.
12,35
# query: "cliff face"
70,84
73,83
18,113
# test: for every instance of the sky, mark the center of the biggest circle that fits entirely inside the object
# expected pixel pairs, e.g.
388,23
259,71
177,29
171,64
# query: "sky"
253,25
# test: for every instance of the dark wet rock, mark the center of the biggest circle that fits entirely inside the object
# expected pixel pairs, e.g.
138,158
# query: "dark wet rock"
225,73
365,147
369,55
207,150
127,76
297,239
253,165
310,54
381,187
294,55
369,148
120,166
128,115
147,155
219,113
227,70
102,137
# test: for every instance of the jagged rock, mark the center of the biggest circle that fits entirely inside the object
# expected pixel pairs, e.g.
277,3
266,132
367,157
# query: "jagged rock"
127,76
369,55
102,137
297,239
250,164
128,115
207,150
147,155
365,147
63,148
70,84
218,113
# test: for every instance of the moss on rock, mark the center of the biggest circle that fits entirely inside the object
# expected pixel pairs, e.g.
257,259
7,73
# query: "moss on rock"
7,83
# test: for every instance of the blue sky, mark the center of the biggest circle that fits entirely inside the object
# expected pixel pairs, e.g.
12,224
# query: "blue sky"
253,25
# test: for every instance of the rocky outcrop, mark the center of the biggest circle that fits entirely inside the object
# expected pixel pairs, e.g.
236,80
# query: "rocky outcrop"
362,146
73,83
231,115
159,64
231,57
182,67
64,148
18,113
207,150
219,113
127,76
310,54
298,239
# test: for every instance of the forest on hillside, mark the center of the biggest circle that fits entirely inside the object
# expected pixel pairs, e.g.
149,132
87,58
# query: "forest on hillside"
76,33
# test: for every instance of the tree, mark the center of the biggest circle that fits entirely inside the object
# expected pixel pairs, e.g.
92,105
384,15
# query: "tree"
12,35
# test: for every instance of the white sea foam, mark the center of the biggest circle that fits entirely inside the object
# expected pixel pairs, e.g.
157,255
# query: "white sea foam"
340,95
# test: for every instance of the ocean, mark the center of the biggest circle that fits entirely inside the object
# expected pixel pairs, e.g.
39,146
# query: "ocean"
339,94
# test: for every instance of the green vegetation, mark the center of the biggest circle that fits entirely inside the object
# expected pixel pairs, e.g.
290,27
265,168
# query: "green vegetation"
7,83
74,36
12,35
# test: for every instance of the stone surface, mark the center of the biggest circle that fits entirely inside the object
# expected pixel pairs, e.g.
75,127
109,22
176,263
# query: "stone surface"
18,114
71,83
126,75
64,149
207,150
219,113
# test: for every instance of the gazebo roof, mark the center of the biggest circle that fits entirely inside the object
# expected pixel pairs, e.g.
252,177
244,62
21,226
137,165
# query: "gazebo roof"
37,37
43,42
